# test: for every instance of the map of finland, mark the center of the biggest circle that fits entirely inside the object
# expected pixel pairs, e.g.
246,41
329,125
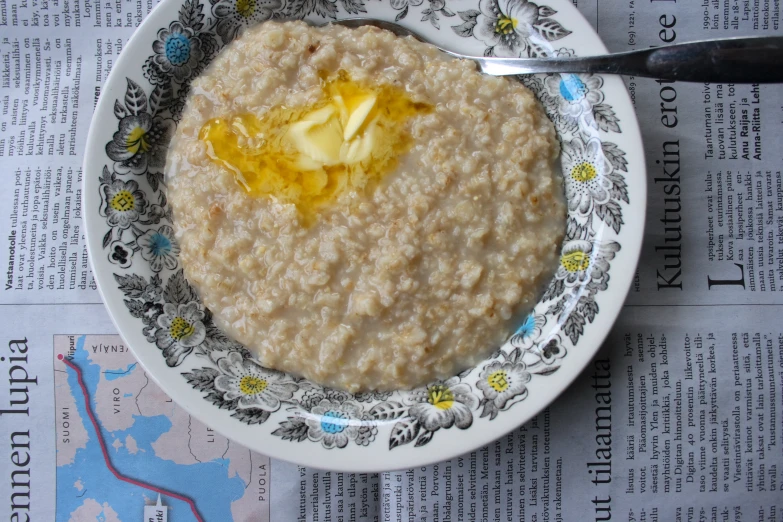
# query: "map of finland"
151,445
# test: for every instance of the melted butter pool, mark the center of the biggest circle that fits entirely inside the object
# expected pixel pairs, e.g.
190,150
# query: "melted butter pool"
308,156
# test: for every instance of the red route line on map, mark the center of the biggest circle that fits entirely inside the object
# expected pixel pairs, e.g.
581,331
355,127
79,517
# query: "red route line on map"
106,457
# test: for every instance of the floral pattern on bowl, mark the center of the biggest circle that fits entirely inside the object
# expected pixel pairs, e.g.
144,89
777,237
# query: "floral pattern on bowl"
142,253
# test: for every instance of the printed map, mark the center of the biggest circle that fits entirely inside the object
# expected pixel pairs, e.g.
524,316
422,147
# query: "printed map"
151,446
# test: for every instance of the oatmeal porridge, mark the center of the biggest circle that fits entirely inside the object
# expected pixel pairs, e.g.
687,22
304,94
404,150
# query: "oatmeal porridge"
358,208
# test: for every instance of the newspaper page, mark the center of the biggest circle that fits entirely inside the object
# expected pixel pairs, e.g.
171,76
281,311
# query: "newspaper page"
684,398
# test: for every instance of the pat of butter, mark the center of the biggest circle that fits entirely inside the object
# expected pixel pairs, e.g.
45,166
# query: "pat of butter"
325,135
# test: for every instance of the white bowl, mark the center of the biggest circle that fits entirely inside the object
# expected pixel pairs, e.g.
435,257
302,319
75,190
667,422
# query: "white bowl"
135,263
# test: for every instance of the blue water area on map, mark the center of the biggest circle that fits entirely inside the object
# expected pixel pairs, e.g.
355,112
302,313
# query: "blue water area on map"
110,375
206,482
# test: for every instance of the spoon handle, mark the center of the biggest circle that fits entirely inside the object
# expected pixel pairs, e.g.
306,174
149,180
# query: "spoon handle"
729,60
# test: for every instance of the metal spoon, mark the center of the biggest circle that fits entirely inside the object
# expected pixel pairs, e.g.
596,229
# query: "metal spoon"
728,60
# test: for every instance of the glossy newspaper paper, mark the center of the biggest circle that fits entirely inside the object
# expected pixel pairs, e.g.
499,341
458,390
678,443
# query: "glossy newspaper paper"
678,417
